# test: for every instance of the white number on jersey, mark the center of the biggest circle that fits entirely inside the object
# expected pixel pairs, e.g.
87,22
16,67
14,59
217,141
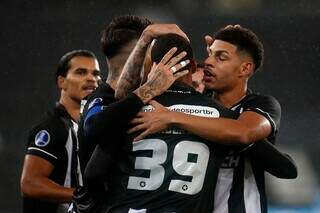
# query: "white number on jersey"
182,151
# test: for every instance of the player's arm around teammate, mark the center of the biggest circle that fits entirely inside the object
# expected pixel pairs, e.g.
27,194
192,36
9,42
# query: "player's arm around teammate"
226,68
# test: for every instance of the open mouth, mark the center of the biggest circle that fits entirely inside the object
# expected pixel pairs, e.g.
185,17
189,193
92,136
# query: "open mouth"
207,73
89,88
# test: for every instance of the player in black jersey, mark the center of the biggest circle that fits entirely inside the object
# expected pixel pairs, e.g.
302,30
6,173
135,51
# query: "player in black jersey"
117,41
234,55
51,170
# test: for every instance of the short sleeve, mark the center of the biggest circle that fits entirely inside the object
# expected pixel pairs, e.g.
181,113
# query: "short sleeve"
47,140
266,106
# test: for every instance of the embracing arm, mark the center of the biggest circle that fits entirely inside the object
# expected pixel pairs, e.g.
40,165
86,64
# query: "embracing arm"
100,120
223,130
249,127
35,182
279,164
130,77
115,117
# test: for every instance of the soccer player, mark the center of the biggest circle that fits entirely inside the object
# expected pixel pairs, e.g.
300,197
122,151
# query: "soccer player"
235,54
117,41
51,170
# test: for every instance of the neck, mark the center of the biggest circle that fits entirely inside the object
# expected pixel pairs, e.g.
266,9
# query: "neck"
113,76
229,98
72,106
115,67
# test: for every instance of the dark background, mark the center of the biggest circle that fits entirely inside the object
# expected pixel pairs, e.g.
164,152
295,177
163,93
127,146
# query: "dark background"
35,34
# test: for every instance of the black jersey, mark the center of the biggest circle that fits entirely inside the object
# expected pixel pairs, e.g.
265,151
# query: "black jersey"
173,171
241,187
101,97
54,139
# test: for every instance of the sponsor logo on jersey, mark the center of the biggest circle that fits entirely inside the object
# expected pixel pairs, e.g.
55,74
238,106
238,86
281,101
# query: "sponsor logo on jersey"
202,111
178,91
42,138
94,102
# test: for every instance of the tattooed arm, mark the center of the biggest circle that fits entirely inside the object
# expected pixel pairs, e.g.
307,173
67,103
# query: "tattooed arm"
161,76
130,77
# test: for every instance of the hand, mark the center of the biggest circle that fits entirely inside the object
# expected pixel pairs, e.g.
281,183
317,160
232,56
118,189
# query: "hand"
150,122
162,75
155,30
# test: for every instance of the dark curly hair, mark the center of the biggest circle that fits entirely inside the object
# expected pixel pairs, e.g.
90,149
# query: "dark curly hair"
120,31
245,40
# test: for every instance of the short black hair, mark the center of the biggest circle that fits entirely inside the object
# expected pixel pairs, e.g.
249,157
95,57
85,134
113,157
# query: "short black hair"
120,31
64,63
245,40
164,43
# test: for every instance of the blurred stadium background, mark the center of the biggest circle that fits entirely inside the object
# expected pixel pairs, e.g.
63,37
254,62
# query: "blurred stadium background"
35,34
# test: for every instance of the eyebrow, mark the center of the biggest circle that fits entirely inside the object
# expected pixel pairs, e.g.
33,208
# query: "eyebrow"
83,68
220,52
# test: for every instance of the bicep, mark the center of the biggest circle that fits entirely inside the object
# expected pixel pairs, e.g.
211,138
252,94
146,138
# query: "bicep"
258,127
35,166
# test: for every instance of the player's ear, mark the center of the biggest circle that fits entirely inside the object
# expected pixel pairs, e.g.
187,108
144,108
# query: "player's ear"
61,82
246,68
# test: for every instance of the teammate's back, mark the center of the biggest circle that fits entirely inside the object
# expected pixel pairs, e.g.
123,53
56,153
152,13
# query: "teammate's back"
174,171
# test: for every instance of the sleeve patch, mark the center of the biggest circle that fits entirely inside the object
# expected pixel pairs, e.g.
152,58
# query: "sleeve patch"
42,138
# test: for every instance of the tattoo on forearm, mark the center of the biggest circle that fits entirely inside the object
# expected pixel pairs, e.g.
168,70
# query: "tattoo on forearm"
130,77
153,87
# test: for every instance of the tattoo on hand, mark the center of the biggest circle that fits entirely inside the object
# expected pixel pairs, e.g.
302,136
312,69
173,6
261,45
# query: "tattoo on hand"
154,86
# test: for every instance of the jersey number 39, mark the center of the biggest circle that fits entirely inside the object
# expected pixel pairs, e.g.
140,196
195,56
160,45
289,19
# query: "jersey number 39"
180,163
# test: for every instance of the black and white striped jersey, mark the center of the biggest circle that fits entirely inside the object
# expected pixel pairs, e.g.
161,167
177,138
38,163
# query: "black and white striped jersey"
241,186
54,139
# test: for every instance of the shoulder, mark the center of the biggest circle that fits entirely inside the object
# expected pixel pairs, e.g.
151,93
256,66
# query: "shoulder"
267,102
103,95
48,127
48,137
265,105
104,91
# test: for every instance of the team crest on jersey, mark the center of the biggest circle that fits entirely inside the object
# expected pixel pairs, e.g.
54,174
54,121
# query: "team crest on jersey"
42,138
94,102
